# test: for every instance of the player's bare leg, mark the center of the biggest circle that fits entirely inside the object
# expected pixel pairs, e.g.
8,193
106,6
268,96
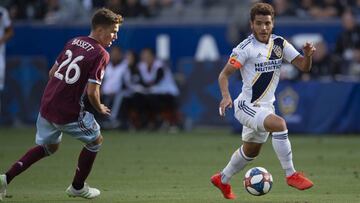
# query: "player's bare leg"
79,188
238,161
282,147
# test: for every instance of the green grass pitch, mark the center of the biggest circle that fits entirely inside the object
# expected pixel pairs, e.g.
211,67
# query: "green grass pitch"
176,168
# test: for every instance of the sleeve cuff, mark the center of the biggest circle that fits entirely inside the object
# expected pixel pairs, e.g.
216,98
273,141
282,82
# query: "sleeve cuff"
95,81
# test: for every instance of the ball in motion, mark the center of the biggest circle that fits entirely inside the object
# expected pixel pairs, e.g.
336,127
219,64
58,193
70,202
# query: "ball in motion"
258,181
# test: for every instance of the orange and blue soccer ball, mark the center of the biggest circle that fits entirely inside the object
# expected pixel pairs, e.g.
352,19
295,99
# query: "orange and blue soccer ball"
258,181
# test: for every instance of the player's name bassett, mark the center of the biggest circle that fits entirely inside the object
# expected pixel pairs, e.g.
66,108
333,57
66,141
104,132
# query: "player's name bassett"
83,44
267,66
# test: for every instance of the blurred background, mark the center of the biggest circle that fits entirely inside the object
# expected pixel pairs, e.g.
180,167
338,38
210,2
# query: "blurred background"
184,44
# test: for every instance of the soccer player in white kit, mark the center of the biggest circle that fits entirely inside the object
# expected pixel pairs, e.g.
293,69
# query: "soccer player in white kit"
259,59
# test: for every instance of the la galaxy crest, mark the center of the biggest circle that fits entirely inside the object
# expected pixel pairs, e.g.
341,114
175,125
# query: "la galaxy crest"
277,50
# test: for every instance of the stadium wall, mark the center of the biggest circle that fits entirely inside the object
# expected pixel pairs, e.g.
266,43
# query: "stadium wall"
34,48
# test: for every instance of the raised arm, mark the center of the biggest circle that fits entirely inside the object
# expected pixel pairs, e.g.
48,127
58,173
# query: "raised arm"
303,63
226,101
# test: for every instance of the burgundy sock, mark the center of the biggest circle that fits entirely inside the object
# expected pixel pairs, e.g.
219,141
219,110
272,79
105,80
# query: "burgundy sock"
31,156
85,162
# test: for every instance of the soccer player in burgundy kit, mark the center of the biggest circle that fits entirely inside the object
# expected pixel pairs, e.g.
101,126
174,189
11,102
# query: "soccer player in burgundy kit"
77,72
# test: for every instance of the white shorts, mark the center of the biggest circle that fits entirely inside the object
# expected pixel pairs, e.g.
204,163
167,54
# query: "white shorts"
86,130
252,118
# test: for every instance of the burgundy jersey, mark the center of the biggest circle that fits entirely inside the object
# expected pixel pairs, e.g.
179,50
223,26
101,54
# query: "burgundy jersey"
81,61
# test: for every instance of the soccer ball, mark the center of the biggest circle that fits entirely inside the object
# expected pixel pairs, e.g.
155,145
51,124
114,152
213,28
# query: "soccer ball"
258,181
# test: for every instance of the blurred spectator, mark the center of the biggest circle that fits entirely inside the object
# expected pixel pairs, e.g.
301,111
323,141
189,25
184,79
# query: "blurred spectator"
6,32
90,5
64,11
113,76
110,87
348,40
320,9
354,65
238,28
349,37
283,8
27,9
153,6
289,72
133,103
162,100
326,9
355,7
303,7
134,8
323,65
4,3
116,6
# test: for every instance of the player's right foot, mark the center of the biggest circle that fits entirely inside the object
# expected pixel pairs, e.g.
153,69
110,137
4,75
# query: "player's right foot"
299,181
3,185
224,188
86,192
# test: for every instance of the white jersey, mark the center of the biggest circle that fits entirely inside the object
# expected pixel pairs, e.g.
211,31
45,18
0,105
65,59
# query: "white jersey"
167,85
260,64
113,78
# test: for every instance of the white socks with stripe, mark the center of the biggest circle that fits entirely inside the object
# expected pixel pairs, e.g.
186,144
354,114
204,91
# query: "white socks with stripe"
282,147
237,162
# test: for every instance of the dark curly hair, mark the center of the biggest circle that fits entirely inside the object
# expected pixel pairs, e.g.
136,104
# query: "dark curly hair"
261,9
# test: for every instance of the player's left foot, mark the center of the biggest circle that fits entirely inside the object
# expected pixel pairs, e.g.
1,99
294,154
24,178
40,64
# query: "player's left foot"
299,181
3,185
86,192
224,188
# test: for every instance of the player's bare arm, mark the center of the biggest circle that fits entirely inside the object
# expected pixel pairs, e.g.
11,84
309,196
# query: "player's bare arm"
226,101
8,33
53,70
303,63
93,92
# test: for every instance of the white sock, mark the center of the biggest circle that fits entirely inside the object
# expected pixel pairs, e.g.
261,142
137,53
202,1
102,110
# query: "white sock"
237,162
282,147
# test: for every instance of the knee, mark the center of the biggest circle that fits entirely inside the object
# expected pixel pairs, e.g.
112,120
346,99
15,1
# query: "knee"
95,145
280,125
252,153
251,150
274,123
99,140
51,148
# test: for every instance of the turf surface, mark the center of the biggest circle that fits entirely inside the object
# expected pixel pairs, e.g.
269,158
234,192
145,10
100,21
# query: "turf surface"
174,168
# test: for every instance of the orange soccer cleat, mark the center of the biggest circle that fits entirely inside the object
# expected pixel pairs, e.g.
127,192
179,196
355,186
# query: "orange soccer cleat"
299,181
224,188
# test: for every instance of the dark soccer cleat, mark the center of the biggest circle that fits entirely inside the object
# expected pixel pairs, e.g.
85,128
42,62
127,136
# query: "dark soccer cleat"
224,188
299,181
